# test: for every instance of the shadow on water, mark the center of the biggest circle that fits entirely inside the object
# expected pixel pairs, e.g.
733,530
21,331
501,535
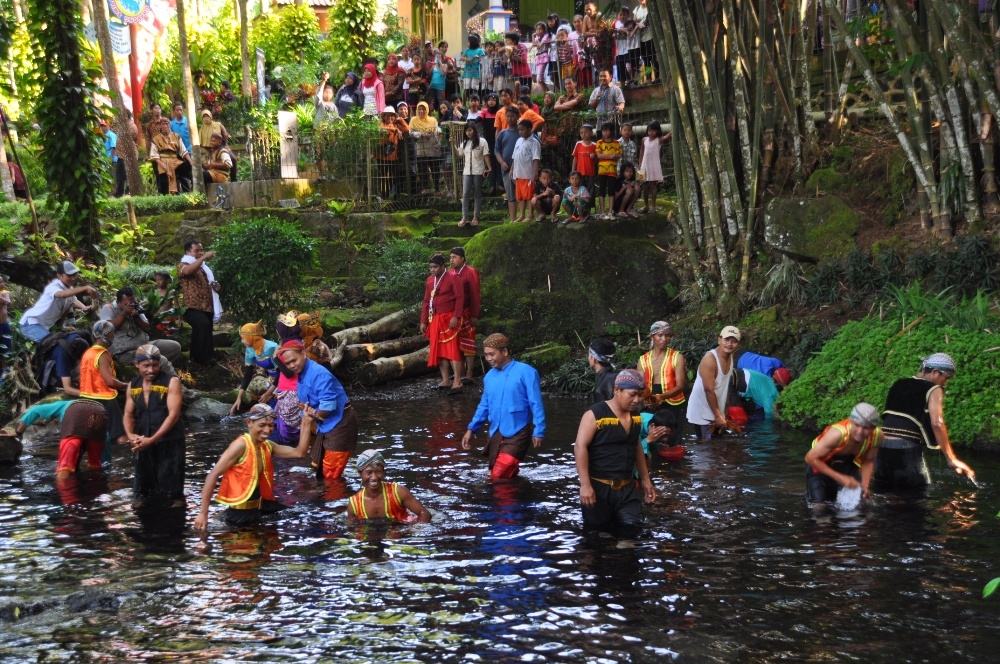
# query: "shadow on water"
732,566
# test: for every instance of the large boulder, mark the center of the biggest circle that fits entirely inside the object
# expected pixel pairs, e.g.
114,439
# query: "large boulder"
812,228
207,410
550,283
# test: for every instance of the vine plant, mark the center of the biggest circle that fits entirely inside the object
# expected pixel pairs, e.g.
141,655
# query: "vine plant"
72,151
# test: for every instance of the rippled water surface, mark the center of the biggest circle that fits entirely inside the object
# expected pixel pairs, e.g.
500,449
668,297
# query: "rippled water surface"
735,567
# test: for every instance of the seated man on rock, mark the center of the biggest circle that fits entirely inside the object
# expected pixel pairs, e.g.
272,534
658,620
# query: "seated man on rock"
219,161
132,331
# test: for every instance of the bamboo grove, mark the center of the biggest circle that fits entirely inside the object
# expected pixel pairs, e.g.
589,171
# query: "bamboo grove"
743,111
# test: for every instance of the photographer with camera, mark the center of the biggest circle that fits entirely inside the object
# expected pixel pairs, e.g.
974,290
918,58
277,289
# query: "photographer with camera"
132,330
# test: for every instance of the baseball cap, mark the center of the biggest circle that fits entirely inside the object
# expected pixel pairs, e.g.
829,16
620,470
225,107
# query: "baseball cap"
67,268
730,331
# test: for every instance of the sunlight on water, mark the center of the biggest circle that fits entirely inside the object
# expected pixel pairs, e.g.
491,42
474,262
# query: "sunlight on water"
734,566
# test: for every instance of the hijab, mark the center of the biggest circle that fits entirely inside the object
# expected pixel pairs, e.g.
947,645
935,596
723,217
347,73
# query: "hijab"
353,86
425,125
254,333
370,82
392,65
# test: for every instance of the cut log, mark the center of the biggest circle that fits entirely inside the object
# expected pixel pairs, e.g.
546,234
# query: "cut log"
393,368
382,329
369,352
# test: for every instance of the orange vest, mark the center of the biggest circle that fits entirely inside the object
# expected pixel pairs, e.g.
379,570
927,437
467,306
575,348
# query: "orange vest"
845,427
393,505
254,468
92,385
667,378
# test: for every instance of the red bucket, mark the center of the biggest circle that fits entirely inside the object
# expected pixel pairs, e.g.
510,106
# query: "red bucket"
737,415
675,453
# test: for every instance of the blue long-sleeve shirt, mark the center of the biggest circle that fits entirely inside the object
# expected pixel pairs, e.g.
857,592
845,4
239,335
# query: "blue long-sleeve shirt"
759,363
46,411
181,128
321,390
512,397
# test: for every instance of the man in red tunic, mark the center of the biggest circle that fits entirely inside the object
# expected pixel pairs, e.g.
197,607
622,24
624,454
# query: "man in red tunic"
470,315
441,320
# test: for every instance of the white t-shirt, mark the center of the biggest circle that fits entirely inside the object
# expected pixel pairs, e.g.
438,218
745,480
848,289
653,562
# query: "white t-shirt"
49,309
526,151
407,66
475,157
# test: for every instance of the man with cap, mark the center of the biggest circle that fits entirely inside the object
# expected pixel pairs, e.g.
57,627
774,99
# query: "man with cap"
324,400
441,323
98,381
472,292
914,417
600,354
58,298
379,499
512,404
608,451
247,470
840,452
154,427
707,407
664,371
769,366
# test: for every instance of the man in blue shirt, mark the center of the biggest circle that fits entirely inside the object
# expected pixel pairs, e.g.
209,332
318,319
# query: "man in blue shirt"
324,399
179,125
512,403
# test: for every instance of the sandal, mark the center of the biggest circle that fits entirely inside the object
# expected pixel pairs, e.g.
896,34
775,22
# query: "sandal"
474,223
463,223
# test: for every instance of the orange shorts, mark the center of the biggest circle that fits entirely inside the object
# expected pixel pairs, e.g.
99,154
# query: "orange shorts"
525,189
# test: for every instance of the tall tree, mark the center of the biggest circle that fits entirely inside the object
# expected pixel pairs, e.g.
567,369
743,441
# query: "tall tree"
189,93
67,111
245,88
123,126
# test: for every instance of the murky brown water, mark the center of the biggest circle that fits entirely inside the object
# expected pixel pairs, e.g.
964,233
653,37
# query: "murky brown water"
735,567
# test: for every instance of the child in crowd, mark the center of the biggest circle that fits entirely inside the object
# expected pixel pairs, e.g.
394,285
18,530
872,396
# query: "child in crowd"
630,149
486,83
628,190
501,63
167,299
540,42
438,82
622,44
472,58
649,162
566,53
608,151
379,499
476,154
473,113
524,168
406,64
545,202
576,199
247,470
416,81
585,157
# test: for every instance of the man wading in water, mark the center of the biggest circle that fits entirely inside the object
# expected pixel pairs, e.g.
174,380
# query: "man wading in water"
379,499
706,409
914,417
840,451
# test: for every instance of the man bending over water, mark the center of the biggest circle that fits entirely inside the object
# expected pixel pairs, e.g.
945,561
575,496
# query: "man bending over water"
379,499
840,451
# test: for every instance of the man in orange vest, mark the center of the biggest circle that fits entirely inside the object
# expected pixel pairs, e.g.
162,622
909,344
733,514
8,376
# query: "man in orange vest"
247,470
98,381
665,373
840,452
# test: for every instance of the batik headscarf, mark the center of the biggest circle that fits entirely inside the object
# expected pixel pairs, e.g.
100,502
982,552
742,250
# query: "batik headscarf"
259,412
368,458
940,361
865,415
147,353
630,379
496,341
254,333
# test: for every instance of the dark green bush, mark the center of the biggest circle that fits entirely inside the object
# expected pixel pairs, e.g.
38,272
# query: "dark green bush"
145,206
261,264
573,377
400,270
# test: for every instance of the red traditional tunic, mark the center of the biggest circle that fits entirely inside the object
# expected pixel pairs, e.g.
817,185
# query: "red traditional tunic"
444,299
469,277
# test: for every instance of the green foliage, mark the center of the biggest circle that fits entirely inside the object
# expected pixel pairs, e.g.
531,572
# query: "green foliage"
573,377
304,113
289,36
784,284
867,356
29,153
261,264
341,145
400,270
991,587
154,205
351,29
67,110
809,344
125,244
299,80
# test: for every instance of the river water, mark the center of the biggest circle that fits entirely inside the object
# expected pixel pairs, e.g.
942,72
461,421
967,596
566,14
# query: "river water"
735,567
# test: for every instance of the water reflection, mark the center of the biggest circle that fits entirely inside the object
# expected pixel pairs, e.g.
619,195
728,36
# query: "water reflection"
733,565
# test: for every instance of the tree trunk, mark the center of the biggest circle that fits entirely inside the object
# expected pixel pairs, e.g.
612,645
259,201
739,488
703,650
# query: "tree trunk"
127,149
374,351
6,180
384,328
189,93
394,368
245,88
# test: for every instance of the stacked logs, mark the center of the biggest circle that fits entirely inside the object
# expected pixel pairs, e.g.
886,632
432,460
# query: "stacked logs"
387,355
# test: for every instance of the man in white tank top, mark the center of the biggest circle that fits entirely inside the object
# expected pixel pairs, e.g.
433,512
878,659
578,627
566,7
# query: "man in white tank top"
707,405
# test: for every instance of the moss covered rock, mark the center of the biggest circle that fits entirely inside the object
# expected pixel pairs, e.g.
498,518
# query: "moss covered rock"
546,358
816,228
548,283
825,180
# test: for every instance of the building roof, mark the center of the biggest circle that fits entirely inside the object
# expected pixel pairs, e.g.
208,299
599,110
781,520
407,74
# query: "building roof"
311,3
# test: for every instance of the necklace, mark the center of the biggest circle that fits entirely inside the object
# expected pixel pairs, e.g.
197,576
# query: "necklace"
430,303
